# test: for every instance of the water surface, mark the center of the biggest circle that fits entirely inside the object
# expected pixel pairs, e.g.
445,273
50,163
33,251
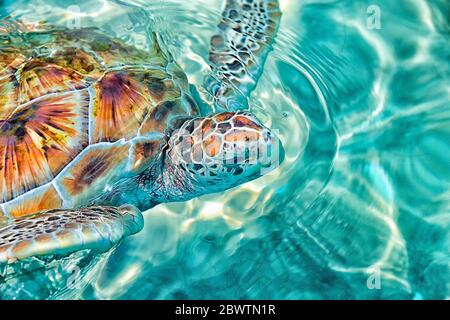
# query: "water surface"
359,209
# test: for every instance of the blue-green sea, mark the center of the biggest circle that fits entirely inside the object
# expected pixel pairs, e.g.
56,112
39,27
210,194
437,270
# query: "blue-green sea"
359,93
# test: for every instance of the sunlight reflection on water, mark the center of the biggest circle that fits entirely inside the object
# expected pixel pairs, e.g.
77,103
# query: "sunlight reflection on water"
364,118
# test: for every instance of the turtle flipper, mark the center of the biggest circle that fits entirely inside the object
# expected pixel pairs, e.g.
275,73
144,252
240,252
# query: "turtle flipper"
63,231
239,49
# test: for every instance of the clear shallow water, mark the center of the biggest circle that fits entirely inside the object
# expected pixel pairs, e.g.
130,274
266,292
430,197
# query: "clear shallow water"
360,206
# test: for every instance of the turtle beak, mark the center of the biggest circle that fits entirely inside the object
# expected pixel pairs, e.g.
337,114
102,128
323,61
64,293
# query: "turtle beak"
270,151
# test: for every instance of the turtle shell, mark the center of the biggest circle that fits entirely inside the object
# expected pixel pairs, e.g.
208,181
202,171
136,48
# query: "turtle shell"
78,110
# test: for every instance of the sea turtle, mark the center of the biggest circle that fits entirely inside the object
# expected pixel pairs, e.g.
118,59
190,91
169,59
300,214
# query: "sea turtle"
93,132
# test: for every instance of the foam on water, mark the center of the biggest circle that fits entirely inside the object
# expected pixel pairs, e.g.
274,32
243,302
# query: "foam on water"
360,208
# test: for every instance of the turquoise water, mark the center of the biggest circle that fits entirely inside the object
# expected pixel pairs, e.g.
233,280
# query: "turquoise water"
359,209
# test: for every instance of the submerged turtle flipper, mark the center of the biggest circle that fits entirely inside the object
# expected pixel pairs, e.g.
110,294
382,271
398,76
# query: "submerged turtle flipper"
52,251
64,231
239,49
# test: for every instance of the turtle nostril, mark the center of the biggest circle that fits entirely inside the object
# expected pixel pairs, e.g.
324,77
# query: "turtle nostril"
267,135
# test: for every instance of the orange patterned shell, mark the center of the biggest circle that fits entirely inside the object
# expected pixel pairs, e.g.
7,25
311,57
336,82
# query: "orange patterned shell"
76,110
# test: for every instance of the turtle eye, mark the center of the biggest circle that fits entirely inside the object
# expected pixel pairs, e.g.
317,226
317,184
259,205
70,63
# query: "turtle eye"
4,39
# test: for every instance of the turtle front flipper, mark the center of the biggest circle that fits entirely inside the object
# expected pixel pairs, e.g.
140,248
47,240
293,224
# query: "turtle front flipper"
64,231
239,49
54,254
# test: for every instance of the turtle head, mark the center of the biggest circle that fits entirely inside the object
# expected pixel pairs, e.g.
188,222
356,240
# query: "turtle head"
216,153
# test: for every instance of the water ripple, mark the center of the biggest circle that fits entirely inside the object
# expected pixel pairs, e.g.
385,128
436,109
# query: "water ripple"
363,115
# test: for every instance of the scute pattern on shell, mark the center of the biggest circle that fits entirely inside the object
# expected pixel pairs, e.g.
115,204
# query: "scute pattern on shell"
39,138
63,90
